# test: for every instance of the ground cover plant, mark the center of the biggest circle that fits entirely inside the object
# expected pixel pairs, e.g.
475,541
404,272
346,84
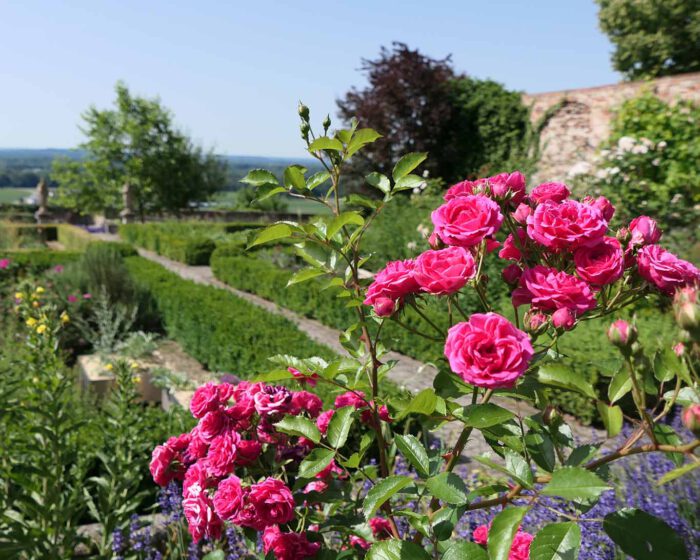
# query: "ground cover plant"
276,467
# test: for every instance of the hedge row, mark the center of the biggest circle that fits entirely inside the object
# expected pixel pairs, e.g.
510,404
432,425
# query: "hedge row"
188,242
37,260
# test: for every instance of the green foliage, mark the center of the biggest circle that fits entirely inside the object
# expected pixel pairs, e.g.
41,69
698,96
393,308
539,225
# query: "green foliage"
651,38
136,143
35,261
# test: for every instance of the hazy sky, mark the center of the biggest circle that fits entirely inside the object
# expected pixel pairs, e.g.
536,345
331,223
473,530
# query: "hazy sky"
232,72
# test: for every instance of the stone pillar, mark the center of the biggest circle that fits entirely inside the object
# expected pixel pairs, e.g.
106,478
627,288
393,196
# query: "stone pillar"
42,215
127,213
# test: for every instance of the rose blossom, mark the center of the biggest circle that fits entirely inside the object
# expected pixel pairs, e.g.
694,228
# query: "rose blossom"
303,401
463,188
603,204
602,263
72,299
205,399
557,192
247,451
221,456
566,225
323,420
519,550
4,263
691,418
315,486
521,213
381,528
212,424
202,520
229,497
310,378
269,502
564,319
196,480
488,351
511,274
359,542
272,401
547,289
465,221
351,398
505,183
288,546
162,459
511,249
679,349
481,535
643,231
390,285
621,333
445,271
665,270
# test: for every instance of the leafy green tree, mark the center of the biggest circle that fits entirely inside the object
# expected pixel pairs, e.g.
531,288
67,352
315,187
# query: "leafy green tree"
137,143
652,37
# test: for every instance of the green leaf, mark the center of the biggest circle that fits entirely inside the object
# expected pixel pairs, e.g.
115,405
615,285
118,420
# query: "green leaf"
519,468
344,219
558,375
667,365
465,551
408,182
407,164
558,541
444,520
361,138
299,426
423,403
339,426
612,418
274,375
666,435
396,550
502,531
449,488
519,475
326,143
382,491
272,233
643,536
257,177
482,415
575,483
263,192
294,177
379,181
581,455
414,452
677,473
317,179
315,462
620,385
215,555
304,275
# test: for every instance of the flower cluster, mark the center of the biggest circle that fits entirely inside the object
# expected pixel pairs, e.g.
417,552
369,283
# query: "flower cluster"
564,262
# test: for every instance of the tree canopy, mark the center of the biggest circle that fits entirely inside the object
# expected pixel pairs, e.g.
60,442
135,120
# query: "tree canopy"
652,38
136,142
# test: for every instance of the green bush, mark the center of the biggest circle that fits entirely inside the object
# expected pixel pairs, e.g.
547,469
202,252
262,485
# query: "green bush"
25,236
37,260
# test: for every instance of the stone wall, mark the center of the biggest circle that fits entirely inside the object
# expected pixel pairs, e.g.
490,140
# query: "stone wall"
582,120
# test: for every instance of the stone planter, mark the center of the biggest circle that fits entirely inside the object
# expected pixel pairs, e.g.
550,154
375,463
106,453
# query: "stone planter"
98,380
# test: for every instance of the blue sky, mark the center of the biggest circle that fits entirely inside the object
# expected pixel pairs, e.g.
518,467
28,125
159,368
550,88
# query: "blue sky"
232,72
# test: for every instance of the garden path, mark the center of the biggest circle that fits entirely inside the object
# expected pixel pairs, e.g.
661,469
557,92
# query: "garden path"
408,373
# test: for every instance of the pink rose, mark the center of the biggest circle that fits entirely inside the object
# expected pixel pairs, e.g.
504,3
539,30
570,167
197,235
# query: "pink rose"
603,204
665,270
381,528
511,274
247,452
391,284
303,401
488,351
196,480
351,398
72,299
521,213
242,409
310,378
202,520
330,470
315,486
323,420
557,192
288,546
58,269
445,271
359,542
566,225
564,319
691,419
548,289
519,550
225,391
465,221
221,456
269,502
272,401
463,188
481,535
197,447
511,249
643,231
162,465
504,184
205,399
621,333
679,349
87,296
602,263
4,263
533,321
212,424
229,497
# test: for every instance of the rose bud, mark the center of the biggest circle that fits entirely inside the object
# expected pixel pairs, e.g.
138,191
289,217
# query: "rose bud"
303,111
691,419
679,349
564,318
551,416
534,321
435,242
521,213
644,231
511,274
686,308
384,306
622,334
623,235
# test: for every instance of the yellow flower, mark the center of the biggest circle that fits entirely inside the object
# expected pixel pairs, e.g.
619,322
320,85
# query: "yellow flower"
64,317
19,295
137,379
134,365
31,322
35,304
109,367
41,329
40,290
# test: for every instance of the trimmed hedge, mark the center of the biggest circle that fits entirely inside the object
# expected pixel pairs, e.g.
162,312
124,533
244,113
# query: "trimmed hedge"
37,260
188,242
217,328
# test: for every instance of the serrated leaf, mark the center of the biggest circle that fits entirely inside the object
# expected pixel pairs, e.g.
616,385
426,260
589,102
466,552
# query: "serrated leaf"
379,181
294,177
575,483
558,375
482,415
519,468
361,138
414,452
407,164
317,179
620,385
644,536
315,462
557,541
408,182
342,220
274,375
423,403
449,488
503,529
465,551
304,275
272,233
339,426
522,480
326,143
393,549
382,491
299,426
257,177
666,435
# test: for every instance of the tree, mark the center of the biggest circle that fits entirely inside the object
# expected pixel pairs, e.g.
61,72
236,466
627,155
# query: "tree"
136,143
652,38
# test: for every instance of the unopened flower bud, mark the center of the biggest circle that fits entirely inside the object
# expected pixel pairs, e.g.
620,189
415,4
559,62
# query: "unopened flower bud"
384,306
564,318
435,242
551,416
303,111
623,235
686,308
534,321
622,334
305,128
327,123
521,213
691,419
679,349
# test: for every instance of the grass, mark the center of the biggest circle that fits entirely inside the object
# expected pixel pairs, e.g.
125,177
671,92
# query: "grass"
12,194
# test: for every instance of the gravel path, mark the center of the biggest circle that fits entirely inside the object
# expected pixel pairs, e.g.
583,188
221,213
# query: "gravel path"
408,372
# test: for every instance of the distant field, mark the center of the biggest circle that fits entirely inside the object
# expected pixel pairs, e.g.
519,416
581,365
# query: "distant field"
8,195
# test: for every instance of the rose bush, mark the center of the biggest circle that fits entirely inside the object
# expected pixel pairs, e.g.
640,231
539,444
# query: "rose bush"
311,479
